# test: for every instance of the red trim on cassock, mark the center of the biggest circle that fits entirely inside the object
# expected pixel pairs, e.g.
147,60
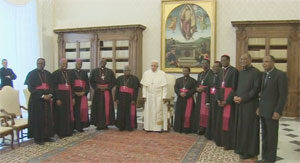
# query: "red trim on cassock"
203,108
226,110
188,109
107,102
64,87
126,89
84,101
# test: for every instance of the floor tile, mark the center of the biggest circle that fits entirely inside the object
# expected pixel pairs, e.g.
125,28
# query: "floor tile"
283,124
279,158
295,142
292,135
298,150
287,129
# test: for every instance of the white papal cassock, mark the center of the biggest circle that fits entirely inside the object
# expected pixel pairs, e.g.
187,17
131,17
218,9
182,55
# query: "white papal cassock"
155,90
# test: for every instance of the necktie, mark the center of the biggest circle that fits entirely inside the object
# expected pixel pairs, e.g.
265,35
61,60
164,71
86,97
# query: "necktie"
266,78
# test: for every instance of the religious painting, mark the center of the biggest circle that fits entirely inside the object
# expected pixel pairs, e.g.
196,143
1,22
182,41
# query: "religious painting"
188,34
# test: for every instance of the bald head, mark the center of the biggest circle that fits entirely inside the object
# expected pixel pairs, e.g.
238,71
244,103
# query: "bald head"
78,63
247,55
245,60
268,62
63,63
272,58
102,62
127,70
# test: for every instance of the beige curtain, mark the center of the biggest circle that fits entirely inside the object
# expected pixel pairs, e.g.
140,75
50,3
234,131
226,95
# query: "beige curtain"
18,2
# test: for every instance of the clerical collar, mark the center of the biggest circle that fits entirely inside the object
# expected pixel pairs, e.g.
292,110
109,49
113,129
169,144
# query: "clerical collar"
247,67
77,70
268,72
226,67
186,77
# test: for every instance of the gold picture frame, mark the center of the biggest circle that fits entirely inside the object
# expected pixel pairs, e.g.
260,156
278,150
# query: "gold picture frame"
188,30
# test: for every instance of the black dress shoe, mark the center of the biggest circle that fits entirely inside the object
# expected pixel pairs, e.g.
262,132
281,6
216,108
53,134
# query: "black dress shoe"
39,142
243,157
49,140
102,128
201,132
227,148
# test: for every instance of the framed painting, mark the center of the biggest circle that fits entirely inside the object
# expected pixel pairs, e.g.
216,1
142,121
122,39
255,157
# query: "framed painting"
187,34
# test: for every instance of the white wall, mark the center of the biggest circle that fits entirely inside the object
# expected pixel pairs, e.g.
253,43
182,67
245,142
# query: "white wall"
84,13
47,38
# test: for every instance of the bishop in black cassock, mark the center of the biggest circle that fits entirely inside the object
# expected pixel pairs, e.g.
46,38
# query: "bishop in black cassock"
102,81
81,88
126,93
213,107
63,110
201,111
227,84
40,119
185,87
246,99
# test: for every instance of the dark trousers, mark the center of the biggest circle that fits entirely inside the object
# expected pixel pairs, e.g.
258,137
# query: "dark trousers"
269,139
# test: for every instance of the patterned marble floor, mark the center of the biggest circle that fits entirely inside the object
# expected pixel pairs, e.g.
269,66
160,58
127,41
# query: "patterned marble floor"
289,141
288,147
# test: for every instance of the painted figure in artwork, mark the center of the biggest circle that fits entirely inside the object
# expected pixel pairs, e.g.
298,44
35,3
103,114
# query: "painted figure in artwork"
188,22
188,36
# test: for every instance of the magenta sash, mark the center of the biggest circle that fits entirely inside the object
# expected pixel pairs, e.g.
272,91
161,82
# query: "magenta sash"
126,89
188,109
226,110
64,87
107,102
83,103
203,108
44,86
79,83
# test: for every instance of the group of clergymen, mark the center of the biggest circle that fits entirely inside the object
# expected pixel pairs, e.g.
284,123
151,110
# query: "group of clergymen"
61,99
228,105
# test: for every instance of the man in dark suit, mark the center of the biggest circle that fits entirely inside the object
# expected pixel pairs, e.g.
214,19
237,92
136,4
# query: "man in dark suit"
272,101
7,75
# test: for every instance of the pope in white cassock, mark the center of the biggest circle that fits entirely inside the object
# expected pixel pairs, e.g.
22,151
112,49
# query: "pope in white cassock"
154,94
